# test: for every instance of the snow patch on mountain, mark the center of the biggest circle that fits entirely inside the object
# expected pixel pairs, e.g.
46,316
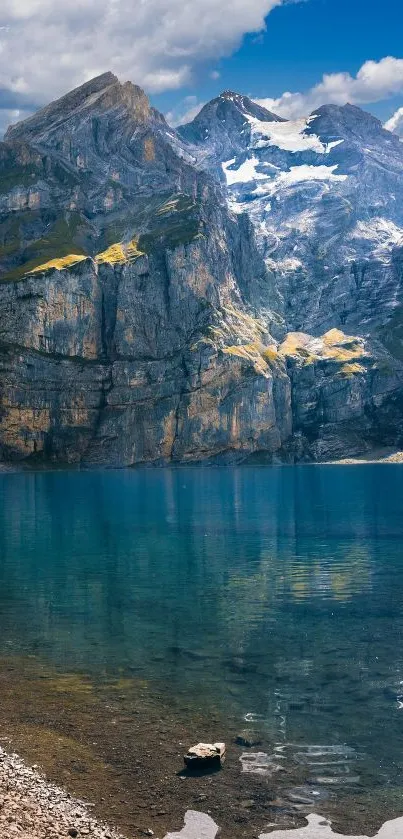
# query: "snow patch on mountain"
297,175
289,136
245,173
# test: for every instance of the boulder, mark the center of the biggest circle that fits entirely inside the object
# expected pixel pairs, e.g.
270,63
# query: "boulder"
205,755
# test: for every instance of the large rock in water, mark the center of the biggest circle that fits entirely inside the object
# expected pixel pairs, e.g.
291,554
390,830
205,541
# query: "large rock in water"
205,755
142,320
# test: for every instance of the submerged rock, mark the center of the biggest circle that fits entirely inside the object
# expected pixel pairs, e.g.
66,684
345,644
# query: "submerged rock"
204,755
259,763
248,738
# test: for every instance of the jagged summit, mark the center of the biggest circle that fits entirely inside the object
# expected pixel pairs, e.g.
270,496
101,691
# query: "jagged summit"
62,106
229,101
99,94
230,107
225,123
99,151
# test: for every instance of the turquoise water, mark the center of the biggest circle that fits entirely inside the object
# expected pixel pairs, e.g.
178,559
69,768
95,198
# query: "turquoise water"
274,592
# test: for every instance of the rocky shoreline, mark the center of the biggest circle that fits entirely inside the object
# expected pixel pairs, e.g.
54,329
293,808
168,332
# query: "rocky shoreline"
377,456
33,808
373,456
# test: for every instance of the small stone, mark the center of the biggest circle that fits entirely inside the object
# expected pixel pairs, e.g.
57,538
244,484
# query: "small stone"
248,738
73,832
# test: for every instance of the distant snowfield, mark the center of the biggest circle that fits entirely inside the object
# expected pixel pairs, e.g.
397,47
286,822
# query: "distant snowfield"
299,174
288,136
247,173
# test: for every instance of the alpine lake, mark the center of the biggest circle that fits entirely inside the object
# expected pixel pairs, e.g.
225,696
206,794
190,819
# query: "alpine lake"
143,611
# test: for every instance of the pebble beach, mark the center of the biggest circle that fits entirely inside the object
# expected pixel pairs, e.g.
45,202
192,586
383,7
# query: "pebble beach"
33,808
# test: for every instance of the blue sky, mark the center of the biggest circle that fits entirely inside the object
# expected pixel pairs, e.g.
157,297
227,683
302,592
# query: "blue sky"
184,52
302,41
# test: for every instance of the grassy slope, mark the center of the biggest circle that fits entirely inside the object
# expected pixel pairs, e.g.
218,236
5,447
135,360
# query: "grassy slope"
167,224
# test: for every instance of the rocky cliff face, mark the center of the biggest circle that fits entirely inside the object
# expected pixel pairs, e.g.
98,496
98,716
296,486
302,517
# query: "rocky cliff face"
153,309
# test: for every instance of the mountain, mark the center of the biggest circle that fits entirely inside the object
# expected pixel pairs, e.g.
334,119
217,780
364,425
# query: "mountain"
223,126
225,291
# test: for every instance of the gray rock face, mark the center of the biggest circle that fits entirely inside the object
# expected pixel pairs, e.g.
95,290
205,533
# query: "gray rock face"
152,313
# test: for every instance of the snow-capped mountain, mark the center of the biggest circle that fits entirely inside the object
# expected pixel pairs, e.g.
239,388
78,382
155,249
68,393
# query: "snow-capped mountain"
224,126
325,195
227,291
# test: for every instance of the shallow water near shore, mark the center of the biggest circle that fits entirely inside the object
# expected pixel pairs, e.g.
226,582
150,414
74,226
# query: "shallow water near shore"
143,611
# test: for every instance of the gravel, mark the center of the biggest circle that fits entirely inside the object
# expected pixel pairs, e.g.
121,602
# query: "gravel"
33,808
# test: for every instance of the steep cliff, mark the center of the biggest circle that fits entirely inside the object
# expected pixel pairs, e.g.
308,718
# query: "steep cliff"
143,320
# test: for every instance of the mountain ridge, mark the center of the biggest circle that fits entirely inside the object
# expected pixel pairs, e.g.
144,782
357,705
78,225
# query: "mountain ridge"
224,291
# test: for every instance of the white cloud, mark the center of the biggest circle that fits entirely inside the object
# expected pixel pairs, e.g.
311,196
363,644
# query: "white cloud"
395,123
46,48
8,116
185,111
375,80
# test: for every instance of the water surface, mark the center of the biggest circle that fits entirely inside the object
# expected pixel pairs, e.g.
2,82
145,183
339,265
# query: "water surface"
269,596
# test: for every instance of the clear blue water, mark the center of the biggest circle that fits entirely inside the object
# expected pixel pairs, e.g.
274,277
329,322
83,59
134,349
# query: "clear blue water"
275,593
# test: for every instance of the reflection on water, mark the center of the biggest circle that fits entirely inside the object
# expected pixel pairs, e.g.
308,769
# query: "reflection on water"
273,593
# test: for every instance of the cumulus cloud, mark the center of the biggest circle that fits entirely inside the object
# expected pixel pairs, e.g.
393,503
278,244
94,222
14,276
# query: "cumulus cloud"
46,48
395,123
375,80
185,111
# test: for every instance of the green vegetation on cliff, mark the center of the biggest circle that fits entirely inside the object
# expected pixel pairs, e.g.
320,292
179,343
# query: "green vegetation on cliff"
62,240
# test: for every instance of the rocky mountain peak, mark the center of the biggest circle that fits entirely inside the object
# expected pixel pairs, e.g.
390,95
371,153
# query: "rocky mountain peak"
97,96
247,106
350,122
224,124
230,108
62,108
134,98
